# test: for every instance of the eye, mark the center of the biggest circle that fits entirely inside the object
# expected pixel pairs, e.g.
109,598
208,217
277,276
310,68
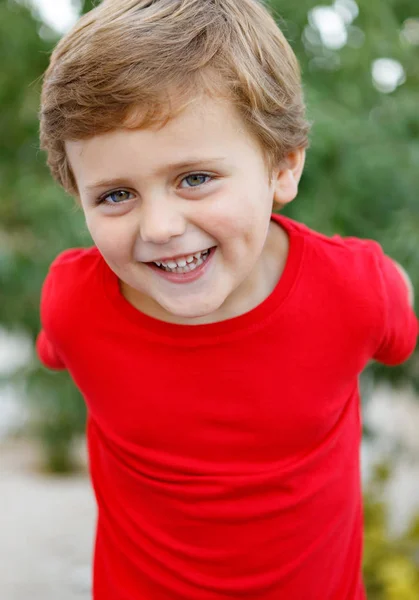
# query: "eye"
116,197
195,180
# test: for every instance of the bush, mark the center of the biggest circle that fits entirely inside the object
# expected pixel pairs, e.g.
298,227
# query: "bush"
391,563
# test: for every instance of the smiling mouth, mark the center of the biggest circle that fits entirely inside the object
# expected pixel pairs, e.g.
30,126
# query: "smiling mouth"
183,264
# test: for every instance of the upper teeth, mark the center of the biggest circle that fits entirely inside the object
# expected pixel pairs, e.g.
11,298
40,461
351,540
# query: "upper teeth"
182,261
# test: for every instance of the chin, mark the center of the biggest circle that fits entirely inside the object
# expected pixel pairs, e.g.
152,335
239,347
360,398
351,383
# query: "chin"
192,311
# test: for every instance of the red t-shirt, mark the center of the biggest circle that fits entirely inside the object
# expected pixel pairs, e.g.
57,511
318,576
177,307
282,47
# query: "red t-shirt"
225,457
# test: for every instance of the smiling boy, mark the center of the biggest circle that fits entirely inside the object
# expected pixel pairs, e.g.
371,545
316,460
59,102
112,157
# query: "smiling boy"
198,184
217,346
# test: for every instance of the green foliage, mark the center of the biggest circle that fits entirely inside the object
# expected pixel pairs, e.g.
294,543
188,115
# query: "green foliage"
88,5
37,221
58,415
391,564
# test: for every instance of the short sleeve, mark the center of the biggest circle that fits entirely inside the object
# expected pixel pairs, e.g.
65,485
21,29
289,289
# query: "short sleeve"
63,293
398,337
50,299
47,354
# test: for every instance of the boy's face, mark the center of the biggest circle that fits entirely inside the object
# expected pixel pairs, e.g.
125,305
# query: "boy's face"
197,184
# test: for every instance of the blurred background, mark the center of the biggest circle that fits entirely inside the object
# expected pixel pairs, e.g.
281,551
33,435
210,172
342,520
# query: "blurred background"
360,63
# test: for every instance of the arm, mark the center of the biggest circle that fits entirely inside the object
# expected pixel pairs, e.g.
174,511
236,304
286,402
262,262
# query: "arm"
400,325
406,279
47,353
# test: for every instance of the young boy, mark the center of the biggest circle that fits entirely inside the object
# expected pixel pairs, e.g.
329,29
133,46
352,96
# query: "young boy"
217,346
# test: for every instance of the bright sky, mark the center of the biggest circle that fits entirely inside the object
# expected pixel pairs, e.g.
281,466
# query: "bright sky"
59,14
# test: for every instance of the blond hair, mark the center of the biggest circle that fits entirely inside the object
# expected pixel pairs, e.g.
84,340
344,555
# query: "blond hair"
150,57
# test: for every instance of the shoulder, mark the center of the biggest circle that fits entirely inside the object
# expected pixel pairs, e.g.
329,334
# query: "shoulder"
341,283
72,279
74,266
75,258
336,256
353,281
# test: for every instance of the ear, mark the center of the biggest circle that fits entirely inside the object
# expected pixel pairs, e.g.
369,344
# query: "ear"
286,178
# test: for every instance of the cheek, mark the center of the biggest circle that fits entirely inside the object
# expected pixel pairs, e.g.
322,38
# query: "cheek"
111,238
239,214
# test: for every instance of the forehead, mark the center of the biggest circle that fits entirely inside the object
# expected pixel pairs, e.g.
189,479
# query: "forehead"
205,128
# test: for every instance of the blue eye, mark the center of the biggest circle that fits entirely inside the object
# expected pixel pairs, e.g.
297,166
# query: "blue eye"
116,197
195,180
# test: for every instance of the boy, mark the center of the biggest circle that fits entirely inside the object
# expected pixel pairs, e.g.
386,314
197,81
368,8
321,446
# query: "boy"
218,347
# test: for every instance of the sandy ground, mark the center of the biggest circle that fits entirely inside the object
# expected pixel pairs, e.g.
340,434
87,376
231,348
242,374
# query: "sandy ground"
46,530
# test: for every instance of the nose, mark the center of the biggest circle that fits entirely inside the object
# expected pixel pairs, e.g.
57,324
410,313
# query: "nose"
160,221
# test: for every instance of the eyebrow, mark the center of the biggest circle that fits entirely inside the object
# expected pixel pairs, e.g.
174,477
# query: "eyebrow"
185,164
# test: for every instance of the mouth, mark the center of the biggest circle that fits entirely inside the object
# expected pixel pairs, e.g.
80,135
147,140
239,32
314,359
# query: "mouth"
183,264
184,269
